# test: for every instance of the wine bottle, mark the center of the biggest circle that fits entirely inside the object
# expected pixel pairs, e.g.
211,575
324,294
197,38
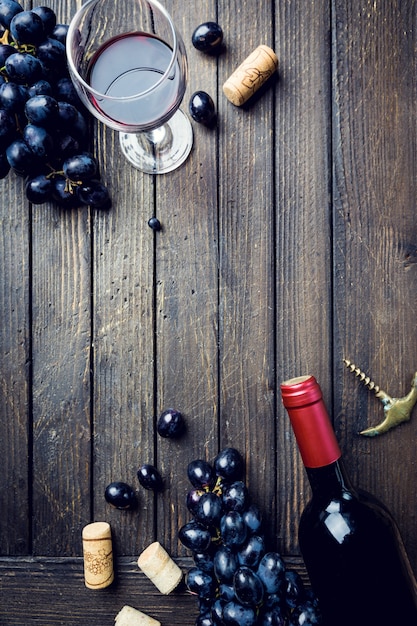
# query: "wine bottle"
350,543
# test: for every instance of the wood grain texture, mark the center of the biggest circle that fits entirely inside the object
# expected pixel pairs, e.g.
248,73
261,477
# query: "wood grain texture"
59,597
15,369
61,323
186,306
246,260
288,242
374,138
303,302
123,342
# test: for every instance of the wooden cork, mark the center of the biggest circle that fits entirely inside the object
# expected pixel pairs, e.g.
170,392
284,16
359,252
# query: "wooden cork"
128,616
250,75
158,566
98,555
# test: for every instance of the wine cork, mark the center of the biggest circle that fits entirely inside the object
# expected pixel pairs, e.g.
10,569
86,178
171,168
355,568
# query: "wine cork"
250,75
128,616
98,555
158,566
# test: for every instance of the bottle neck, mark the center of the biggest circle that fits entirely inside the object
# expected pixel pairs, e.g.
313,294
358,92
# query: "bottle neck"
310,421
329,481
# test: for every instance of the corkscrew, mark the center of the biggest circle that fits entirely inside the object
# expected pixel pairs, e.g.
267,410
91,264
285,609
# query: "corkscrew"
396,410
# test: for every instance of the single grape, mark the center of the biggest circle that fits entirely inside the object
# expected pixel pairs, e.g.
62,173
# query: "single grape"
202,108
209,509
193,498
306,614
226,592
66,146
27,28
229,464
195,536
13,97
295,592
8,9
273,617
60,33
39,141
236,496
252,518
80,167
154,223
21,158
48,18
71,120
235,614
52,54
204,606
217,611
204,560
225,564
271,571
64,194
249,589
23,68
171,424
39,189
5,52
252,551
233,529
42,110
65,92
200,582
200,473
40,88
95,194
120,495
208,37
204,619
150,478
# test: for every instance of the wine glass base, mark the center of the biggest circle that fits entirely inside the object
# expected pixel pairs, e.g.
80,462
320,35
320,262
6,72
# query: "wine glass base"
161,150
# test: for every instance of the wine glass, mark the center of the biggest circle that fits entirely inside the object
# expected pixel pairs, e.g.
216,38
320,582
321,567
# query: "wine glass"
129,66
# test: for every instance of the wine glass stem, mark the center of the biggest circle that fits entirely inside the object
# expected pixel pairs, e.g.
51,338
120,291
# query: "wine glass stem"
162,149
160,138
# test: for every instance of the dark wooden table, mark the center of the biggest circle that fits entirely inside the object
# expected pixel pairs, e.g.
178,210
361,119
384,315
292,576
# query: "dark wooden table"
289,242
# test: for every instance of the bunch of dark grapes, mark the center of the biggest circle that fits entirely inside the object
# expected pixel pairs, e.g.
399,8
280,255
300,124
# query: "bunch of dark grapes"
238,581
43,126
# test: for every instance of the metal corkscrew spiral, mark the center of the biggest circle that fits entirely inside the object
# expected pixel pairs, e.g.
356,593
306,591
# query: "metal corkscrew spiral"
396,410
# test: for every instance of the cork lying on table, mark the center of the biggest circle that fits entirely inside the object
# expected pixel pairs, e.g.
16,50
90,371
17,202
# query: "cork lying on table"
255,70
128,616
98,555
158,566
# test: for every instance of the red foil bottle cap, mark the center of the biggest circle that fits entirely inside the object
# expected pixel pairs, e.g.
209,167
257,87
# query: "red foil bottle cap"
310,421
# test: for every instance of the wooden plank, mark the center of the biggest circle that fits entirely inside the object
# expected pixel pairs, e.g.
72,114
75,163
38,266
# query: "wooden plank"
246,261
15,367
302,217
186,259
59,597
123,342
375,228
61,301
123,403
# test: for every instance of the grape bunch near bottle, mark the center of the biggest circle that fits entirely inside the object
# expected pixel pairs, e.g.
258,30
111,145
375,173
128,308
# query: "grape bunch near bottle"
236,578
43,124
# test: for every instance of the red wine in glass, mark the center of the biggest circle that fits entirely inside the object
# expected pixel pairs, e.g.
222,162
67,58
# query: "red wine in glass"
131,64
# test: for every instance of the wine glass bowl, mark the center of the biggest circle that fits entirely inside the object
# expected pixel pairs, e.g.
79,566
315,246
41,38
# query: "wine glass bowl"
129,67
